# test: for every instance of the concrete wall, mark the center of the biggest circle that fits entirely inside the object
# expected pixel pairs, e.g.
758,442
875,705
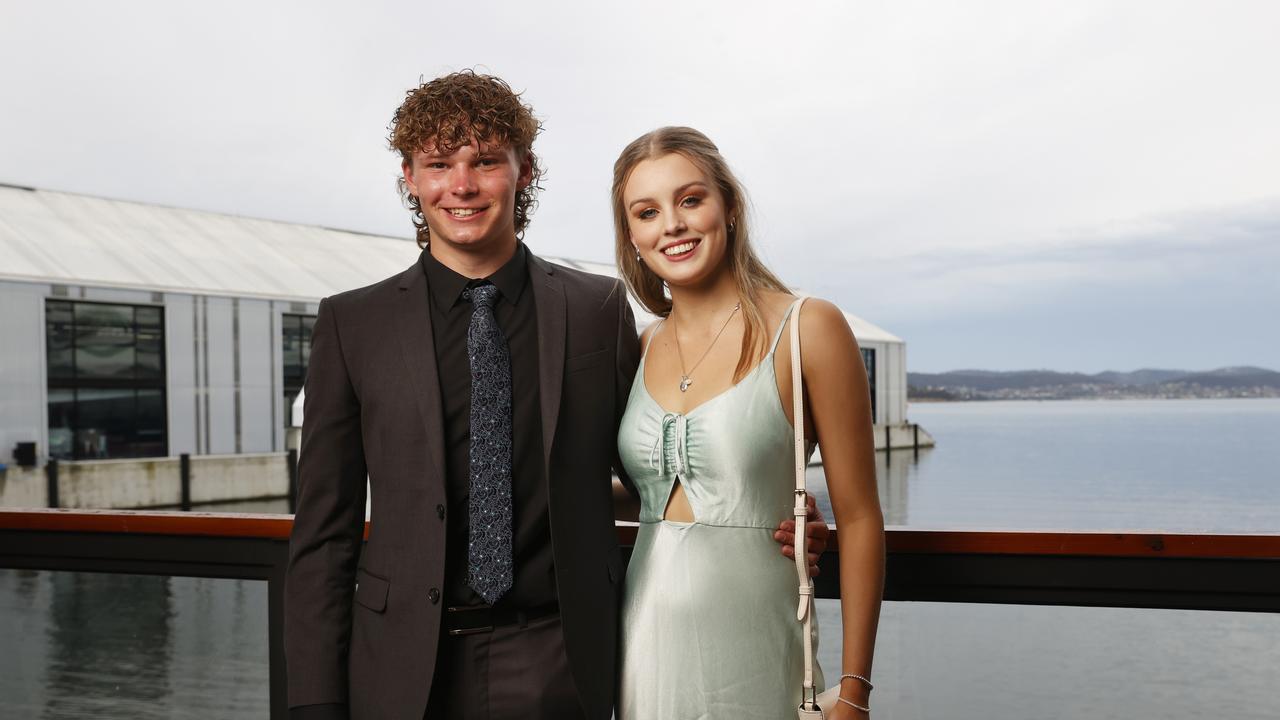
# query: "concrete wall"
23,487
153,482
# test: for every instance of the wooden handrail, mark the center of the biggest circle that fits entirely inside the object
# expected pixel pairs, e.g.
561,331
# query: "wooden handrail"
914,541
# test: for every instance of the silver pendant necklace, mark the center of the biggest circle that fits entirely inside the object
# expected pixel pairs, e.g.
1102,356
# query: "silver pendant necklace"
686,378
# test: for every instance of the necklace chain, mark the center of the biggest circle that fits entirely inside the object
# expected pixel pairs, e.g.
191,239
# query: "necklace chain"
686,378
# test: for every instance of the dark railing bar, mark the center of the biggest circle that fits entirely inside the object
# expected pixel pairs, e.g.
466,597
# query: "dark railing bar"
1238,572
915,541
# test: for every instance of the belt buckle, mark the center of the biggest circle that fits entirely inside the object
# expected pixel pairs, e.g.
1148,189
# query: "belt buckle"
468,631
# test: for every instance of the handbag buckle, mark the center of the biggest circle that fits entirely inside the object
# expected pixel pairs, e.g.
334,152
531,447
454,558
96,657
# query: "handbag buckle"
809,698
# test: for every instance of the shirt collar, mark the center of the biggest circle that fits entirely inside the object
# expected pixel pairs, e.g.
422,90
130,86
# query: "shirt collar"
447,285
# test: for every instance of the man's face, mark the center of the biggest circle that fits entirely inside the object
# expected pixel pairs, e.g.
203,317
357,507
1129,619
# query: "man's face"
468,196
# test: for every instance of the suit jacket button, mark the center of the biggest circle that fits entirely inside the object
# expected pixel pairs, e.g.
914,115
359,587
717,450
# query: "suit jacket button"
440,511
433,595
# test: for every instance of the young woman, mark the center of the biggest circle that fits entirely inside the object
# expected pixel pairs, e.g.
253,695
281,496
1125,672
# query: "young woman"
709,615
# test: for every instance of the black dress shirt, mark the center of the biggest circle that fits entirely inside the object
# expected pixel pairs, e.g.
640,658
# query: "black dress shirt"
534,579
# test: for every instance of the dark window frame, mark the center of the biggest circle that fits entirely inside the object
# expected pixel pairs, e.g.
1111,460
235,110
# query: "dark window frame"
869,361
292,383
76,382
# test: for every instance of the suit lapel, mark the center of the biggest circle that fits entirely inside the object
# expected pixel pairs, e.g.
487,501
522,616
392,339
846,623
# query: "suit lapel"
419,352
548,293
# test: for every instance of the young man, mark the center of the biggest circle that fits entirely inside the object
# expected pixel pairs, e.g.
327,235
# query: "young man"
479,392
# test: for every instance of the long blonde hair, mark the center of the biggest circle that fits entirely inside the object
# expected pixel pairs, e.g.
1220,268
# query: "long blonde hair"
749,274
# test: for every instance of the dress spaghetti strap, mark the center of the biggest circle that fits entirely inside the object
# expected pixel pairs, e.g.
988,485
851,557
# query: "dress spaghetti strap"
777,335
649,342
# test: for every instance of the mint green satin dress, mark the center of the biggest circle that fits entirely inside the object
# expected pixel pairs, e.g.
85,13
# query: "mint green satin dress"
709,628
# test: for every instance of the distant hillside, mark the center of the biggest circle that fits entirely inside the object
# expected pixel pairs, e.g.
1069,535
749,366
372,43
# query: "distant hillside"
1048,384
1145,376
989,380
1233,377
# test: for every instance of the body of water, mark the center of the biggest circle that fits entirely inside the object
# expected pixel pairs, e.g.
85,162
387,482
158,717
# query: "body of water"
1180,465
84,645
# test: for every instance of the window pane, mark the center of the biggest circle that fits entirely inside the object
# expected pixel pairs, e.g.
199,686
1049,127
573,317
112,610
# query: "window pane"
106,420
296,332
148,317
291,335
150,353
149,438
58,335
869,360
61,428
308,323
104,341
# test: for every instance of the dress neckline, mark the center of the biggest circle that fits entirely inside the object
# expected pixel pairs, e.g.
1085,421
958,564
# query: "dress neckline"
767,359
644,385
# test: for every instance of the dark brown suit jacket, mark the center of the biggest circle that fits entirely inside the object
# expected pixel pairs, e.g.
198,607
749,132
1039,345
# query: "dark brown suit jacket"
361,628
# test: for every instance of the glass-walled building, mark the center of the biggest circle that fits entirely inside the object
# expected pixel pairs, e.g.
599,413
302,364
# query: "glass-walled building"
135,331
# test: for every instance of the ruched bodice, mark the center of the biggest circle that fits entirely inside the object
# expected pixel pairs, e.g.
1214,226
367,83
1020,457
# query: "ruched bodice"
709,625
712,450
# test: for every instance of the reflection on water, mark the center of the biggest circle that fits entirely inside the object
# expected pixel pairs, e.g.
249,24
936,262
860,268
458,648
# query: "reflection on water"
99,645
1174,465
964,661
108,645
894,471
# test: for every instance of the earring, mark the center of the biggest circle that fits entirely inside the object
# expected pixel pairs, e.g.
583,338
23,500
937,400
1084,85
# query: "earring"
731,226
638,259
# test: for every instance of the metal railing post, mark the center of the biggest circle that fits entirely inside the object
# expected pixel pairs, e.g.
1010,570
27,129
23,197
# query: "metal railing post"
292,459
184,473
51,475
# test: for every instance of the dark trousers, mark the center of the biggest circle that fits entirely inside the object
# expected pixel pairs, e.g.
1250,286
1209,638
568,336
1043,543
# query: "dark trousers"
511,672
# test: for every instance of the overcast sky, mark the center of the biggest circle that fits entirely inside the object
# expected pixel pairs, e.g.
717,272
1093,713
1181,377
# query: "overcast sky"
1069,185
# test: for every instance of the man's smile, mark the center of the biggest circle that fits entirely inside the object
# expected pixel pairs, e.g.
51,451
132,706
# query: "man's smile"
465,212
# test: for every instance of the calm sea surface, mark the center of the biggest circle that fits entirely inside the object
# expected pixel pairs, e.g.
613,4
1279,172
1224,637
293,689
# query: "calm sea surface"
83,645
1190,465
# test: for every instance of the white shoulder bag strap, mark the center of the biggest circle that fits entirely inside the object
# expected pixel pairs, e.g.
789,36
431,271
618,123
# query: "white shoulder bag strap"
808,704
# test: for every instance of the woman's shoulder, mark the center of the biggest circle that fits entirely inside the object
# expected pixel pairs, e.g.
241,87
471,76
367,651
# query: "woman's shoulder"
818,314
823,325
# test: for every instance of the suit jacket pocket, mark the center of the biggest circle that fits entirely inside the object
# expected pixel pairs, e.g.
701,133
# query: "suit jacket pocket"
371,590
586,360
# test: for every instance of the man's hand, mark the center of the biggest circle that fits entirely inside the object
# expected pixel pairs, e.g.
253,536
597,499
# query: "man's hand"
816,530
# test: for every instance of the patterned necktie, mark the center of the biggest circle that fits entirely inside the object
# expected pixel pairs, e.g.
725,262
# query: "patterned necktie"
489,564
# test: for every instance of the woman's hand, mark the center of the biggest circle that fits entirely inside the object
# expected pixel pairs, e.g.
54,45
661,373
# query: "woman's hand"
817,535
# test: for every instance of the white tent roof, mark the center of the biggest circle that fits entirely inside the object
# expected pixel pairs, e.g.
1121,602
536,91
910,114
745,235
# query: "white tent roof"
54,237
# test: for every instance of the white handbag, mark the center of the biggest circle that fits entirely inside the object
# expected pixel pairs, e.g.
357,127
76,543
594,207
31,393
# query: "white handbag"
813,706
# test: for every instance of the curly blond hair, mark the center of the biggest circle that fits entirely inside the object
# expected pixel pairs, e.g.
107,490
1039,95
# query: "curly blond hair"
455,110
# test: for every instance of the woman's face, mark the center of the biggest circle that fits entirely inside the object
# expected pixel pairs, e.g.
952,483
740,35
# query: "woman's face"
677,220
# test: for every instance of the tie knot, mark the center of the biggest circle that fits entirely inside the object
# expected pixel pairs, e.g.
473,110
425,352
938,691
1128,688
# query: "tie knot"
482,295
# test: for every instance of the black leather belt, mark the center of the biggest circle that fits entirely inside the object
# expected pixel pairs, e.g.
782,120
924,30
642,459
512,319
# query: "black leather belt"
472,620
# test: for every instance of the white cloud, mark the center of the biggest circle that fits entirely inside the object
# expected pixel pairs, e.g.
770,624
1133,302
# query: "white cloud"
870,134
